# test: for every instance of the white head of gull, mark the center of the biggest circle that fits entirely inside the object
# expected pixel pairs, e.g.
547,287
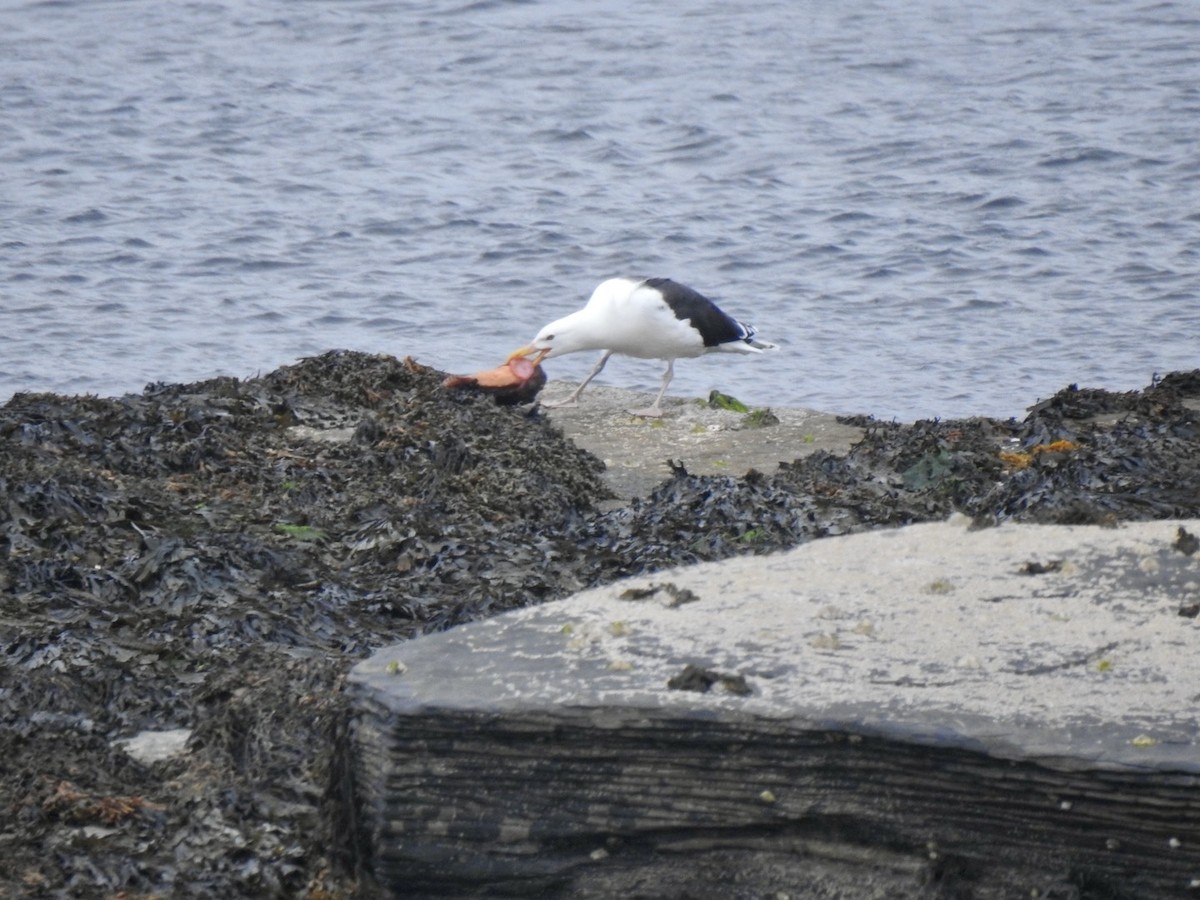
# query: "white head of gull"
649,318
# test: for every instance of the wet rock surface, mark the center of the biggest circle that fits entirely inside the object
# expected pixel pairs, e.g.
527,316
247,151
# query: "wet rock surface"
214,557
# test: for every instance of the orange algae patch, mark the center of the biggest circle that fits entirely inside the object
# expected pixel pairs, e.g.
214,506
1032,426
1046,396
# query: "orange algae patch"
1022,460
1055,447
1016,460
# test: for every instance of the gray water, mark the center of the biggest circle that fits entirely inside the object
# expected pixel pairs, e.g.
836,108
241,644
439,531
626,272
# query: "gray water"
935,208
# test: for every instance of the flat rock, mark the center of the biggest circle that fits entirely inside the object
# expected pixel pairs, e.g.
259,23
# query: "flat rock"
708,440
1000,711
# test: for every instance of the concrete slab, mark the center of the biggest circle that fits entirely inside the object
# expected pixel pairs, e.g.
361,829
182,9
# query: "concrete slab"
707,441
1069,652
932,632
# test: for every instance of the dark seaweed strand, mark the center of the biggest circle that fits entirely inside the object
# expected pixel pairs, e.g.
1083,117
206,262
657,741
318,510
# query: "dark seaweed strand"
715,326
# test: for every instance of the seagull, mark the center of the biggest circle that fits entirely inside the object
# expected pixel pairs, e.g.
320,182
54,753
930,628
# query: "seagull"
650,318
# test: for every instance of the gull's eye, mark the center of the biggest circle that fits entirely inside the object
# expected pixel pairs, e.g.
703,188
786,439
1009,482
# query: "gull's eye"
548,337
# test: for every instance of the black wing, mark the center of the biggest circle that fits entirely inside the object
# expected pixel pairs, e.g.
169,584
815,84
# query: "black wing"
715,326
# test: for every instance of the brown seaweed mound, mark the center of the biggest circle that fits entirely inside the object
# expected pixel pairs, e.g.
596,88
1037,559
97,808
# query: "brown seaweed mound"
1083,456
215,556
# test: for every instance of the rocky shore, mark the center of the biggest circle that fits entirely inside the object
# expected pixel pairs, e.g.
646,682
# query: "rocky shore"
207,561
937,710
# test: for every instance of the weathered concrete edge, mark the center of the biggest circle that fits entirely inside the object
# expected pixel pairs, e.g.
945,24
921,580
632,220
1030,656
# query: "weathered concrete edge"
625,674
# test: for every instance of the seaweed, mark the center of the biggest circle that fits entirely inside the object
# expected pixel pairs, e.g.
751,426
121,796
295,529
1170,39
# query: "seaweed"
215,556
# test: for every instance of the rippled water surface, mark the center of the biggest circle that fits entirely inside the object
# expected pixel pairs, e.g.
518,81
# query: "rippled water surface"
935,208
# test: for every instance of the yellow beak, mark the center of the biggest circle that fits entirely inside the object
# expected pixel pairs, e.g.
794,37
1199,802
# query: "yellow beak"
529,351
